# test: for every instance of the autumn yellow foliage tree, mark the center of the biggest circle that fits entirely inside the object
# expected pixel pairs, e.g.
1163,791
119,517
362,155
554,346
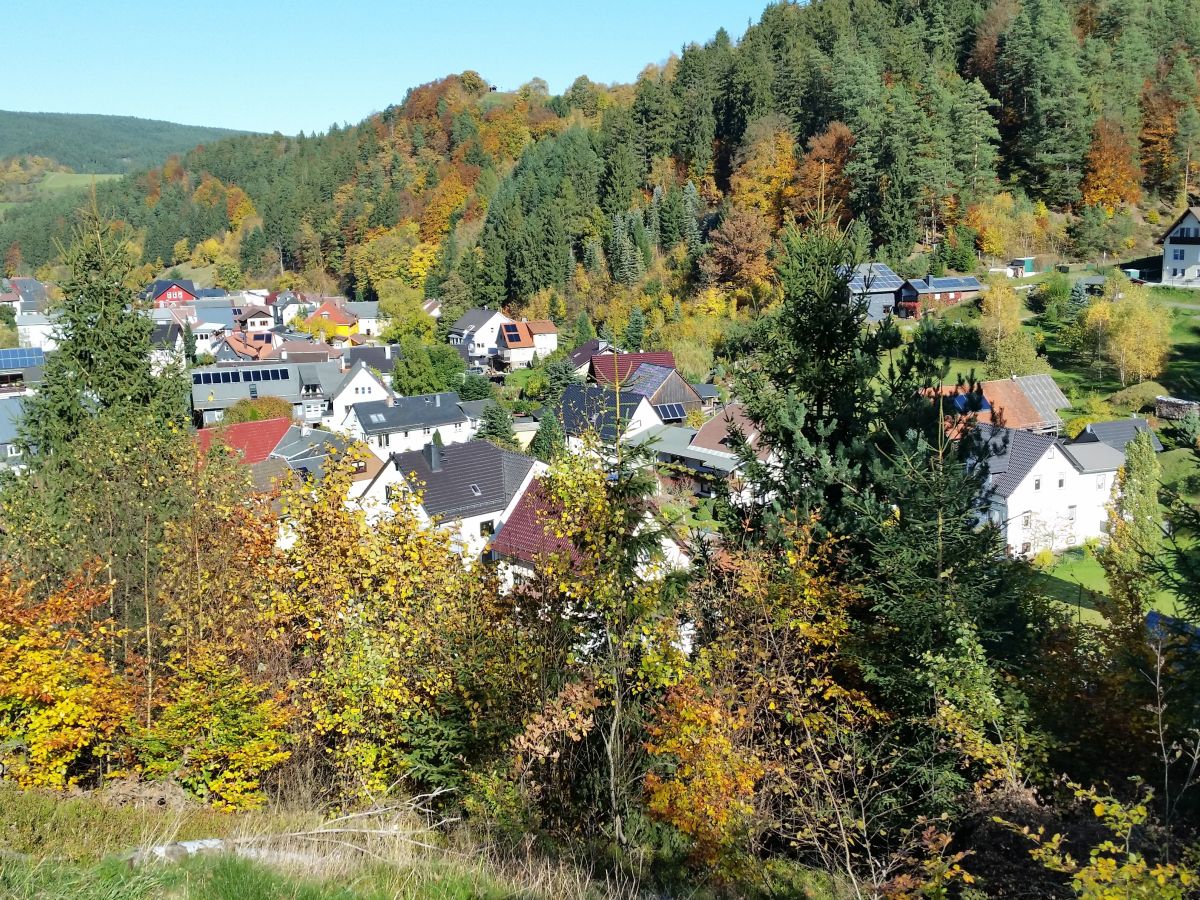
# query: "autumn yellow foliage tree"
62,707
1113,177
765,172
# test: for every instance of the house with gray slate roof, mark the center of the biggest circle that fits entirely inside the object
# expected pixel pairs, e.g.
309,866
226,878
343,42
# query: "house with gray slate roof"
1044,493
308,387
399,424
477,334
468,489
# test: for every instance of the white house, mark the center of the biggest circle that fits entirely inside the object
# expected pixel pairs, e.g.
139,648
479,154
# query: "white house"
369,321
1181,250
37,330
1046,494
478,331
523,343
400,424
255,318
361,385
468,489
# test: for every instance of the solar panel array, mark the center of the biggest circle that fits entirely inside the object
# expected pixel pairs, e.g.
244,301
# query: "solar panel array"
22,358
874,278
671,412
236,376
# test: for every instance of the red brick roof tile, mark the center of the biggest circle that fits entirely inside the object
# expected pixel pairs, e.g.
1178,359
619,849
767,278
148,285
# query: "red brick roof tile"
608,368
254,441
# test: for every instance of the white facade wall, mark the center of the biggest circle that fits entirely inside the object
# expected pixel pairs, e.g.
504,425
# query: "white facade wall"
1181,262
517,357
37,334
361,388
1057,507
545,344
385,444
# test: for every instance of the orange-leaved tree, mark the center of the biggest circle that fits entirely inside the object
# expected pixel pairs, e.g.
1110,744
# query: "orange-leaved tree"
62,707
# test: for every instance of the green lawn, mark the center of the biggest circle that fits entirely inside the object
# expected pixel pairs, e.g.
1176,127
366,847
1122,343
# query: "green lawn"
57,182
1078,581
1175,295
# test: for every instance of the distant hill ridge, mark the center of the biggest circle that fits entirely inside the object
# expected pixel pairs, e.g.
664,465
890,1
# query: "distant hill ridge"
95,143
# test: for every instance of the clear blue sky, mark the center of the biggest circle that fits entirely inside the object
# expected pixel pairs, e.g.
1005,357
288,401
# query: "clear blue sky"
302,64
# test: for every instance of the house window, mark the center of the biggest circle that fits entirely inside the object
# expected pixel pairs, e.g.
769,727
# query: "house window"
1070,513
1025,548
426,430
1062,480
384,440
487,528
1037,484
13,450
1177,254
1026,520
1099,481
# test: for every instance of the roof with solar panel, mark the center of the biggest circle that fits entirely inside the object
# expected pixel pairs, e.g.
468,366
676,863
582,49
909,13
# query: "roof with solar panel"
21,358
948,284
874,278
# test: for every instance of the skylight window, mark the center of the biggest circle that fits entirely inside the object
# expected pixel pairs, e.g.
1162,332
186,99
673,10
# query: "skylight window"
475,490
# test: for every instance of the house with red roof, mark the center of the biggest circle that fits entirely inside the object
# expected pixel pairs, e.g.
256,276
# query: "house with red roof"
611,368
522,343
338,321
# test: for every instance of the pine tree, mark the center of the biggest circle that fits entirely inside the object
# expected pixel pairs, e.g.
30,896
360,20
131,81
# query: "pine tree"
693,207
1135,536
584,330
496,425
635,331
549,440
102,361
189,343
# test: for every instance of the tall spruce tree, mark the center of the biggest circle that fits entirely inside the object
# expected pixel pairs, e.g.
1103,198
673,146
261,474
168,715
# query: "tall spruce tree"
102,361
550,439
635,331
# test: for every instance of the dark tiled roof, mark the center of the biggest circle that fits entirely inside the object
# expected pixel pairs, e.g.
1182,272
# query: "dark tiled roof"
525,535
591,407
1012,454
11,409
165,335
647,379
473,320
475,478
407,413
1118,433
706,391
382,359
582,355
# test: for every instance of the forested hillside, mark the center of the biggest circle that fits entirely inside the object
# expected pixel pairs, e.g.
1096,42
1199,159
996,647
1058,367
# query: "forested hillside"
89,143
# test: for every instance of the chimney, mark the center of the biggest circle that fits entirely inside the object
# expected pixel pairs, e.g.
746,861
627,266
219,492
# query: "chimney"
305,431
283,354
433,456
437,399
391,399
1013,376
387,351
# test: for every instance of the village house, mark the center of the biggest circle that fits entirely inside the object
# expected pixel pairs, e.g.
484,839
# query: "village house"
37,330
366,312
593,410
306,386
920,294
616,368
468,489
361,384
20,370
1046,494
254,318
1118,433
581,356
477,334
1024,402
334,320
523,343
382,359
880,287
672,397
168,292
1181,250
400,424
166,345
